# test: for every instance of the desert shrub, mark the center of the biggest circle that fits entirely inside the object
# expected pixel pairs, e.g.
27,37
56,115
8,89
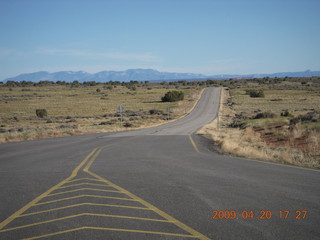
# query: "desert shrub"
130,113
255,93
107,123
132,87
309,117
173,96
3,130
238,124
155,111
98,90
294,121
264,115
127,124
286,113
41,113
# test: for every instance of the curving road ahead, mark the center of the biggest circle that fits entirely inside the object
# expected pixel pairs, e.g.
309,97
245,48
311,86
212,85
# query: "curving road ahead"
157,183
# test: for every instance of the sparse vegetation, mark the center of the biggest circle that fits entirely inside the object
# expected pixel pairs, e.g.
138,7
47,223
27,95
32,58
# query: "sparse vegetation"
264,115
41,113
255,93
173,96
281,126
79,108
156,111
284,126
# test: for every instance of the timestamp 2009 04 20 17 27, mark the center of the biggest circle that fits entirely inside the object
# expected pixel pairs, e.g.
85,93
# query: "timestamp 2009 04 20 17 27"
263,214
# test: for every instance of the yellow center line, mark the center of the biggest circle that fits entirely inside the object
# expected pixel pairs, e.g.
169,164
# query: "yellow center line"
194,145
92,160
83,189
85,204
111,229
80,196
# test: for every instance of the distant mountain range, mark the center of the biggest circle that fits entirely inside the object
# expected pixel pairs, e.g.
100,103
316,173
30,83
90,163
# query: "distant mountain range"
141,75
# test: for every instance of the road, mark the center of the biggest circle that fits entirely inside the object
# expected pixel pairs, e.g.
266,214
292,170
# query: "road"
156,183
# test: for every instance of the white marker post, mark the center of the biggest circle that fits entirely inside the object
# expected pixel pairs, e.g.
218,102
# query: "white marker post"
168,111
120,109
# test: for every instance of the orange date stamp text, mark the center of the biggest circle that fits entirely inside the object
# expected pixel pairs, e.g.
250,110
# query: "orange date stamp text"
262,214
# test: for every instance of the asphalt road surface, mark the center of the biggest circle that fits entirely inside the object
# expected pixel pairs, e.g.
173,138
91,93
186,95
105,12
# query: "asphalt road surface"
157,183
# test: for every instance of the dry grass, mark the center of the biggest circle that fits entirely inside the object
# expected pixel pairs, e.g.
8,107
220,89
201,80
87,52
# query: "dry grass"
81,101
248,143
295,101
73,111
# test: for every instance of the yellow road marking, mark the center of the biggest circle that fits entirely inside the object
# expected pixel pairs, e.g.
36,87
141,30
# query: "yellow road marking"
158,211
80,179
80,184
111,229
194,144
83,189
91,161
80,215
84,204
80,196
34,201
91,157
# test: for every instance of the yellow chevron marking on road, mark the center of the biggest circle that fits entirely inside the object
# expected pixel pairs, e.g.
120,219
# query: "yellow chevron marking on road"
37,199
181,225
84,167
80,215
81,184
83,189
111,229
81,179
81,196
85,204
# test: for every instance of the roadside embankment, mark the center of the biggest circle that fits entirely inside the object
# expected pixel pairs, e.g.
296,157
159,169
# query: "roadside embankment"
265,139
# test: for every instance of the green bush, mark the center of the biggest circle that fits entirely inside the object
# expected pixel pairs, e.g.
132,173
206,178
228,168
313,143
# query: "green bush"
255,93
41,113
173,96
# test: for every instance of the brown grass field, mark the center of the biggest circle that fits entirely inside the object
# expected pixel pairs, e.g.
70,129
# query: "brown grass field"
282,126
84,109
276,137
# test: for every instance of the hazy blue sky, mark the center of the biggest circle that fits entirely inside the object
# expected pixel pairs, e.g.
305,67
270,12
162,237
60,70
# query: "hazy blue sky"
198,36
